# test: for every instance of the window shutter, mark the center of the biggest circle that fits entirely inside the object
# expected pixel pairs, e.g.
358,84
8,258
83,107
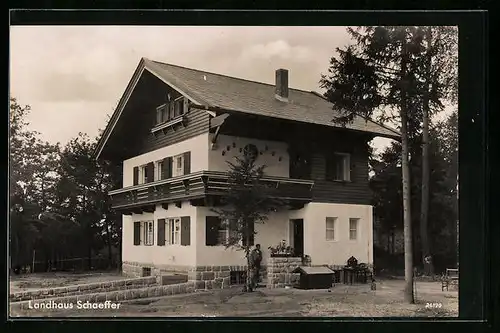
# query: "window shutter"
136,175
159,115
252,235
171,110
167,168
211,230
187,163
185,107
137,233
185,230
150,172
161,232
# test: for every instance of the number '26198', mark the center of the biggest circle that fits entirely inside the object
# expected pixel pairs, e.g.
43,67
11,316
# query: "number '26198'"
433,305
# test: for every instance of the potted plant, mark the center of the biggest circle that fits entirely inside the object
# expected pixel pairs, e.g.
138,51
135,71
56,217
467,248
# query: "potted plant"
281,250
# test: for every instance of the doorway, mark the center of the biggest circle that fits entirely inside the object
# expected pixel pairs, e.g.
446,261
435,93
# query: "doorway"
298,236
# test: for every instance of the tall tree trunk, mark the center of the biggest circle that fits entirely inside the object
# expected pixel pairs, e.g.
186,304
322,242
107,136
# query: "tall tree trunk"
405,166
424,208
249,278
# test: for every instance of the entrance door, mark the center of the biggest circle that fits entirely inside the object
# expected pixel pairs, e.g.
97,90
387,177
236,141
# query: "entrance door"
298,236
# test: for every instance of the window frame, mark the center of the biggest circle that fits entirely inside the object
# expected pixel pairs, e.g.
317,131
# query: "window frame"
226,230
178,108
175,170
332,229
158,170
171,235
356,229
147,233
142,177
345,163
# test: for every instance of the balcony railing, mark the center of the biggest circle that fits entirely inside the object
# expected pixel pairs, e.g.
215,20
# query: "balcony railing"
201,184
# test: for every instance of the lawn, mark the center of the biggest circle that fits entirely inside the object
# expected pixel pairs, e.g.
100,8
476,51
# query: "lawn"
341,301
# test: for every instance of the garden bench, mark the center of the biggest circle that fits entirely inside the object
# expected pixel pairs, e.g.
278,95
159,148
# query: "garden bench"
451,276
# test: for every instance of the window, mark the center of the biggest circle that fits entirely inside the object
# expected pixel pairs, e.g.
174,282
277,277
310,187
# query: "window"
169,111
178,165
353,228
217,232
330,228
173,231
339,167
143,174
224,234
162,114
147,233
179,107
158,170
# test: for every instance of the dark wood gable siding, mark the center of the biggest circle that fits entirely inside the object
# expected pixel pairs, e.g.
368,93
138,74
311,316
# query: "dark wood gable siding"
132,134
316,142
197,122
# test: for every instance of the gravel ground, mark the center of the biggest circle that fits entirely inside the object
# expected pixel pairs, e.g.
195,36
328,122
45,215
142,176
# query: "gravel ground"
340,301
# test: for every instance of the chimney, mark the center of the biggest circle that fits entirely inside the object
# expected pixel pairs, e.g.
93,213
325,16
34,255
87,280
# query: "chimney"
281,90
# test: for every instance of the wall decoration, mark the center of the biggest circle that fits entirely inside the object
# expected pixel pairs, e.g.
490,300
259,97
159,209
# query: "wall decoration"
251,151
228,148
234,144
223,152
266,148
273,153
241,150
280,158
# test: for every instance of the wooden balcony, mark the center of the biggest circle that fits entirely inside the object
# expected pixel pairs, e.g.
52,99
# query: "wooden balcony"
203,184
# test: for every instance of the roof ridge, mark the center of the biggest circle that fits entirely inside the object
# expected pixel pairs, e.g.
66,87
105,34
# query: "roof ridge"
224,75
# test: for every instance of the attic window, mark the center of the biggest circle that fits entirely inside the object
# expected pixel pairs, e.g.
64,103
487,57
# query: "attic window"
170,114
169,111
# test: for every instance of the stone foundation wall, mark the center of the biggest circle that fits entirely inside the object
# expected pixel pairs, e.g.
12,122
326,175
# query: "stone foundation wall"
279,272
97,287
204,277
135,269
114,296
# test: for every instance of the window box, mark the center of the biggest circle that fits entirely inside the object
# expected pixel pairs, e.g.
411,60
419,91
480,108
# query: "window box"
169,124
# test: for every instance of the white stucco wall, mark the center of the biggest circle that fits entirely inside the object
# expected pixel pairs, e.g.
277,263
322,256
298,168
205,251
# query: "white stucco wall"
274,167
277,228
198,146
268,234
154,254
337,252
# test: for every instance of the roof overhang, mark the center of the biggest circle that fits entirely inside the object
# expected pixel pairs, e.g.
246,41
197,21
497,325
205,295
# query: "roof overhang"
199,103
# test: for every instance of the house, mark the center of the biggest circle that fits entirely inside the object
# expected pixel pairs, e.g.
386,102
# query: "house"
175,128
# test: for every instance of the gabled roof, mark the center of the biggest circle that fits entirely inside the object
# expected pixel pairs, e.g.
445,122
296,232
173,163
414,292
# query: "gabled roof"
225,93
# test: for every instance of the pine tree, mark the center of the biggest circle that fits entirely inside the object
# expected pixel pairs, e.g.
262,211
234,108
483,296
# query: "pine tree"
247,203
377,75
439,81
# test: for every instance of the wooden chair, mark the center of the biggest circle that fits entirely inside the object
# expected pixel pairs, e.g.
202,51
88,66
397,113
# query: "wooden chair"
451,276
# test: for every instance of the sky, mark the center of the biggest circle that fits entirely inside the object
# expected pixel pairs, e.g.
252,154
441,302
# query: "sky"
73,76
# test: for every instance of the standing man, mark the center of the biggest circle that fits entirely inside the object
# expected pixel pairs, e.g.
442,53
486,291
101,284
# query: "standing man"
256,261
